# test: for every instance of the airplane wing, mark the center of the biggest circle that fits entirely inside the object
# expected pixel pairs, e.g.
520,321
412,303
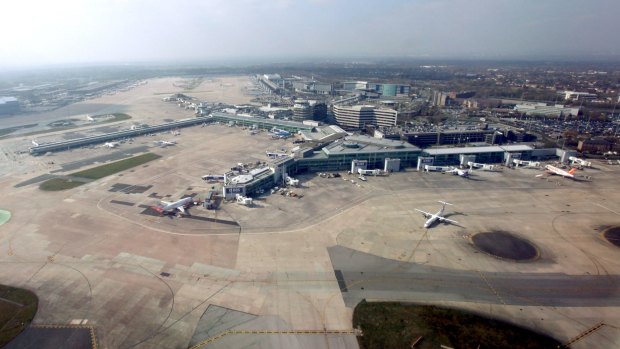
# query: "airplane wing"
426,214
447,220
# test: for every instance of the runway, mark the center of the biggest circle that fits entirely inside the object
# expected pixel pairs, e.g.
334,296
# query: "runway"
365,276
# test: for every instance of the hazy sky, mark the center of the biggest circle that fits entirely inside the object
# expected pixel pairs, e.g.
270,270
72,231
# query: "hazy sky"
83,31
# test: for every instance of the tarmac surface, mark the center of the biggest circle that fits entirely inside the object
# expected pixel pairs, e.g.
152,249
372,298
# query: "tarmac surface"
295,265
54,337
365,276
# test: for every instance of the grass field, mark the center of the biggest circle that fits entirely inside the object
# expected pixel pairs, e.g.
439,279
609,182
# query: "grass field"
56,184
399,325
17,309
114,167
117,117
9,130
5,216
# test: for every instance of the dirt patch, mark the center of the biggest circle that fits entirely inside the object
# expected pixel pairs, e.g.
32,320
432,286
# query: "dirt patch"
505,245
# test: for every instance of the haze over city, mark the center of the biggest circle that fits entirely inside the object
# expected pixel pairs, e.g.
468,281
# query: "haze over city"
288,174
116,31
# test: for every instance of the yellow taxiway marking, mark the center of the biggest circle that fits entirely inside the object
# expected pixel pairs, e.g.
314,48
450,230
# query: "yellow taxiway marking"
233,332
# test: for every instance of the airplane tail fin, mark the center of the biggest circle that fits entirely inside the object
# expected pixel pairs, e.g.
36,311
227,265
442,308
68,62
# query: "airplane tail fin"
572,170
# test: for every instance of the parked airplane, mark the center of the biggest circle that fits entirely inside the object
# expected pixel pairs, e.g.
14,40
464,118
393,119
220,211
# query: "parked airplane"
111,144
484,167
276,155
552,170
163,143
277,133
90,118
432,218
34,143
165,207
459,172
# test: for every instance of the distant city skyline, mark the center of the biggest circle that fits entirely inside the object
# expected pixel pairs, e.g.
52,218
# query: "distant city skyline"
38,32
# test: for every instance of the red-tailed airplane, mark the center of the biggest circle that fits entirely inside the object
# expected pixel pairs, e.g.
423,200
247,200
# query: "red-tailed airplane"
552,170
171,207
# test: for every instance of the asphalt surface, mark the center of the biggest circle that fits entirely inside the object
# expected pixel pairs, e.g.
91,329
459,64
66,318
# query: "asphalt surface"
35,180
52,338
365,276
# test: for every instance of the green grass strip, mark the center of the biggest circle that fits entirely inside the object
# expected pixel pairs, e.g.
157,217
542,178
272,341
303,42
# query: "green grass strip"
115,167
98,172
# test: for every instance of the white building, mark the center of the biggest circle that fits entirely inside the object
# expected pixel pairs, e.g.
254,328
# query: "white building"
358,116
572,95
546,110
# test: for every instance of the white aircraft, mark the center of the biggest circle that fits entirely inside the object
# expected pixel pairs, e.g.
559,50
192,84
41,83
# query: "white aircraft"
432,218
552,170
90,118
163,143
165,207
273,155
277,133
459,172
34,143
111,144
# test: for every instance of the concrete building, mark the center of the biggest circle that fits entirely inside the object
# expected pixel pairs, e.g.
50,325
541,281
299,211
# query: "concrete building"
573,95
358,116
354,85
258,122
270,83
302,110
390,90
487,155
314,87
441,99
9,105
323,134
338,155
542,109
383,89
466,136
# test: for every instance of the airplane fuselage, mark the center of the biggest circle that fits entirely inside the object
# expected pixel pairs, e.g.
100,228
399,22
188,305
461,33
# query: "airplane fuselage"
433,218
436,217
560,172
169,207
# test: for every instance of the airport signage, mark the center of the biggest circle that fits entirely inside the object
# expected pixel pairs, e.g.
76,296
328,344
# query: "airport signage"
234,190
427,160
